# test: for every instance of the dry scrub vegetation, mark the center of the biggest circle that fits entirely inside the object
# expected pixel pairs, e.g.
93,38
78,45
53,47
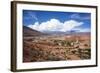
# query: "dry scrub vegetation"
56,48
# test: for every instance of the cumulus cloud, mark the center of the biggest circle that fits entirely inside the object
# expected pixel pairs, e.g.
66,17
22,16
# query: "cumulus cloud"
56,25
70,25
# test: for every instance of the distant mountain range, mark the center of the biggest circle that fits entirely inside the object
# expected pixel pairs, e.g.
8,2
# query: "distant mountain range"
65,33
31,32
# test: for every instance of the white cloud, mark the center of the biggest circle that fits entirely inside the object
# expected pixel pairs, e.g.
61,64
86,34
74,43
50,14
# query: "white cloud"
56,25
70,25
77,16
35,26
82,29
31,15
34,16
85,30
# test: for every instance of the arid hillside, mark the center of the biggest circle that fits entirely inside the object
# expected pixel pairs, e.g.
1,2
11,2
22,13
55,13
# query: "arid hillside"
30,32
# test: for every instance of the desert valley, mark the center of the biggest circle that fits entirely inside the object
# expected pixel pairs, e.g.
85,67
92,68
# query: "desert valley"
40,47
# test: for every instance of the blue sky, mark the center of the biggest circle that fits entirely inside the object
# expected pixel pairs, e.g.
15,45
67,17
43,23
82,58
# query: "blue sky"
57,21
